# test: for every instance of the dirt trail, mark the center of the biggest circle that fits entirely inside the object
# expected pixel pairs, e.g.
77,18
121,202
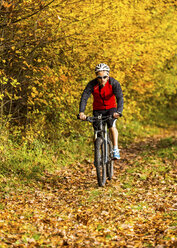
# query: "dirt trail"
136,209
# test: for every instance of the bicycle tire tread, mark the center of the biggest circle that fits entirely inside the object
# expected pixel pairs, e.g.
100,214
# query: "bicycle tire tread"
99,162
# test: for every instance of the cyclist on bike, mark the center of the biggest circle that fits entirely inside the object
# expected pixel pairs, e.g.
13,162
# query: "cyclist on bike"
107,100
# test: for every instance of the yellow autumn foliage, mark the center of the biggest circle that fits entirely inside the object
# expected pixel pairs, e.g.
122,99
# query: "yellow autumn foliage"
55,45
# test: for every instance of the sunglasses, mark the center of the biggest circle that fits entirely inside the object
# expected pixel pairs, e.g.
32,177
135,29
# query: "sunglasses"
104,77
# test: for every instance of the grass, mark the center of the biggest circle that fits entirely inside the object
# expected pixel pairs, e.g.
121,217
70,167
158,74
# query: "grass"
27,162
94,194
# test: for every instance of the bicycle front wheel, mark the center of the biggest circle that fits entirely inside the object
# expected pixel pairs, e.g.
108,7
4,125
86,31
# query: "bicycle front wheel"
100,161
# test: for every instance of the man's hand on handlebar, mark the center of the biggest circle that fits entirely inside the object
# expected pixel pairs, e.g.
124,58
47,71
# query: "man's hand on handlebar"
116,115
82,116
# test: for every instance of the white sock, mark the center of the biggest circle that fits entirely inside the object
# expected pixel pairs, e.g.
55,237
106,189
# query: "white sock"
115,147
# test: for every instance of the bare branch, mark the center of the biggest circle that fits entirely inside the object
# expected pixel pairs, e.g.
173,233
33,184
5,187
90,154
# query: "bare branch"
28,16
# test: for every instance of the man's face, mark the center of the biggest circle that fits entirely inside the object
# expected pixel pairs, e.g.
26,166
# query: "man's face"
102,77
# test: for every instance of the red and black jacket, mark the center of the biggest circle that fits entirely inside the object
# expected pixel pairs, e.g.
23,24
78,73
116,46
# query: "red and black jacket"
107,97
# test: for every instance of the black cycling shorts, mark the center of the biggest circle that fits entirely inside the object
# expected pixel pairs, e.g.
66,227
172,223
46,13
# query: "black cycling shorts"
105,112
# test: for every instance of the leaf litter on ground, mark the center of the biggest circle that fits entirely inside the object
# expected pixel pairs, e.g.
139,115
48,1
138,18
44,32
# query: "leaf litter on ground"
136,209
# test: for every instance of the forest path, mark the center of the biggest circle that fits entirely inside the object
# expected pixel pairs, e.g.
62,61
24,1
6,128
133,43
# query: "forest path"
136,209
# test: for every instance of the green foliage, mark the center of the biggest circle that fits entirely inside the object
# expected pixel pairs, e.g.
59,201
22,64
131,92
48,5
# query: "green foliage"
23,161
29,159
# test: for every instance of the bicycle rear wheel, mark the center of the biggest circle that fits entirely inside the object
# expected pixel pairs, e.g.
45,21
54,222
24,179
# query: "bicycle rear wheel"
110,163
100,161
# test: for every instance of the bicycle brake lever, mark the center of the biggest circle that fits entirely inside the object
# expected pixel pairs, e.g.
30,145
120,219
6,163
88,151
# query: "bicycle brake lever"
89,119
78,117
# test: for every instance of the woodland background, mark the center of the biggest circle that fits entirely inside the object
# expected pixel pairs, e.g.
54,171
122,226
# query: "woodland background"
48,52
48,190
49,49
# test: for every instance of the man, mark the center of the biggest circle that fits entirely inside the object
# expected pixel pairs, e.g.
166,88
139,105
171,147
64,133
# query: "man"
107,100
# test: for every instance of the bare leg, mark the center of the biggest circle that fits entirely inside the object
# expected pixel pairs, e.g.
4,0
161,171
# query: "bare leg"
114,136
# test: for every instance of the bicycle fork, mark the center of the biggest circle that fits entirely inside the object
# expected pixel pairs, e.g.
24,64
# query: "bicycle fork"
104,137
105,143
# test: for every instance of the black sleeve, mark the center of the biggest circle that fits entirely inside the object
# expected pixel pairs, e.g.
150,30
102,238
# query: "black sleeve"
85,95
119,95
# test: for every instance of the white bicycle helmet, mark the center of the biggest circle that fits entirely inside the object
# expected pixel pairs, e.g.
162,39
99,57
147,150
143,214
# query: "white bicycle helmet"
102,67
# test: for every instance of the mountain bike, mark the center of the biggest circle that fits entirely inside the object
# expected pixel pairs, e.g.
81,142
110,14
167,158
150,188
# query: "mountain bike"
103,159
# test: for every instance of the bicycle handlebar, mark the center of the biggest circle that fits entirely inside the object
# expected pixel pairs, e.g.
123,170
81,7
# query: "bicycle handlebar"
97,118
